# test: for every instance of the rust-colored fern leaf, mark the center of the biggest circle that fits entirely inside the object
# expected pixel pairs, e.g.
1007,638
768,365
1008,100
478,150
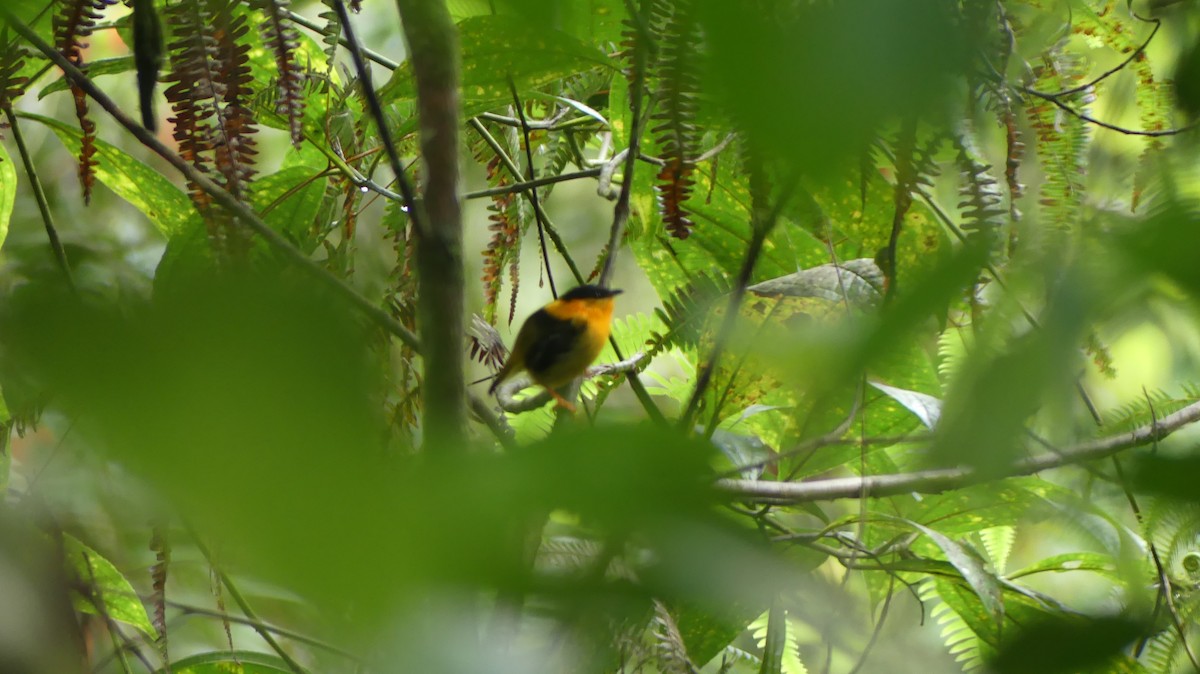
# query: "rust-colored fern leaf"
502,249
234,150
193,83
281,39
675,130
73,23
12,86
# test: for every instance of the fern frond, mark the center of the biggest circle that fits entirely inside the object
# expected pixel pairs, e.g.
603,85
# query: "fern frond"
73,23
1062,141
981,201
1143,410
280,37
671,652
956,635
12,85
675,131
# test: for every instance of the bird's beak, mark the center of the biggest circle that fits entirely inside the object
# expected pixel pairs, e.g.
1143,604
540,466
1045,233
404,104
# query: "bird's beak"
612,292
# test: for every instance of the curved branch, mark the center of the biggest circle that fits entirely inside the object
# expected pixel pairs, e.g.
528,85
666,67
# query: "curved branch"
943,479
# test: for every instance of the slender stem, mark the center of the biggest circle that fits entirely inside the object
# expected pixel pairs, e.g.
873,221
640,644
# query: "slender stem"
245,607
516,173
39,194
376,109
189,609
621,210
763,224
943,479
530,184
301,20
533,194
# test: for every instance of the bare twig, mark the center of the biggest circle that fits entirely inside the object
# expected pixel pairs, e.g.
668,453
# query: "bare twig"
942,479
532,193
376,110
506,392
245,607
1105,125
530,184
189,609
39,195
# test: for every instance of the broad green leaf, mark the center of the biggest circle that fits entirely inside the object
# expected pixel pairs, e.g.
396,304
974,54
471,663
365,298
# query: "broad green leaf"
497,48
110,66
8,190
112,590
859,282
289,199
973,570
230,662
1071,561
925,407
167,207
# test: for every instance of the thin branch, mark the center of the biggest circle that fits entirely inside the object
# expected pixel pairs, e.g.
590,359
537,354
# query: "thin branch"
245,607
530,184
190,610
227,201
1105,125
538,215
616,232
943,479
39,194
764,223
516,174
301,20
506,392
376,109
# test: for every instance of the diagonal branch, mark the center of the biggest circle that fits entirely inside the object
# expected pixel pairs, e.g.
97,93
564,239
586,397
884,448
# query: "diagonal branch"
943,479
244,213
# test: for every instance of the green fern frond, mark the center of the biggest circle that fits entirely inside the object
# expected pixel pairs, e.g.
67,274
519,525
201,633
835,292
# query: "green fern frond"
957,637
1143,410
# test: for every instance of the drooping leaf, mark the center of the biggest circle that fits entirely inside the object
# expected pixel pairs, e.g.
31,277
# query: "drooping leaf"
146,189
107,592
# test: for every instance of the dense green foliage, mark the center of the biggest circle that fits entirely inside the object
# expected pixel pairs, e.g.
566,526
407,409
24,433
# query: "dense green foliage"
910,325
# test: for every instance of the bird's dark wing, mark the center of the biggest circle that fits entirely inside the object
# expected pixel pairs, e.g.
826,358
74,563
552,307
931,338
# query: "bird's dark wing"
556,338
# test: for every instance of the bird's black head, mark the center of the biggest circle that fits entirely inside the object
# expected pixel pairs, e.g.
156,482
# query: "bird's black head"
589,293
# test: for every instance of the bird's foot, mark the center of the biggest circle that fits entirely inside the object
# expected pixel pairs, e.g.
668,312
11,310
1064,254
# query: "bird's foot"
562,402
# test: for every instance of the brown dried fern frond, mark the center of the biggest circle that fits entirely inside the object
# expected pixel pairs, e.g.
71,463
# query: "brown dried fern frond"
12,86
73,23
234,151
281,38
192,86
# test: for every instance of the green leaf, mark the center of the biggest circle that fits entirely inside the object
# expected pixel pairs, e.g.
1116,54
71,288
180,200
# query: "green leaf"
924,406
497,48
293,197
8,190
229,662
982,581
111,66
167,207
858,281
1072,561
113,592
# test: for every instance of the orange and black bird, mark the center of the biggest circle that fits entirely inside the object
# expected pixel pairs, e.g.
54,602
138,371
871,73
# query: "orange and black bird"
559,341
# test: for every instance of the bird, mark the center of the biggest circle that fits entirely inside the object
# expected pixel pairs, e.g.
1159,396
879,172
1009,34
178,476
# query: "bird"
558,342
